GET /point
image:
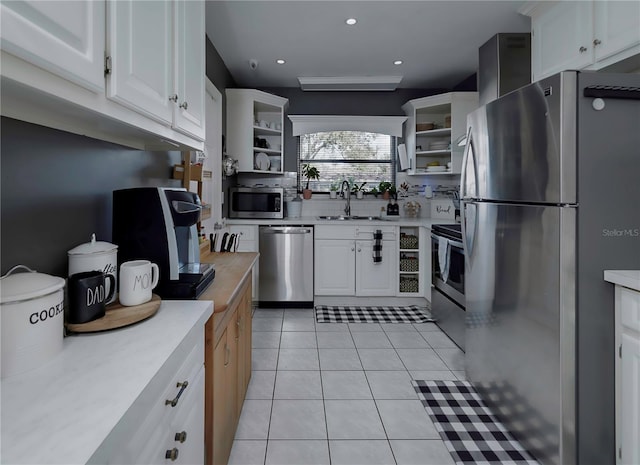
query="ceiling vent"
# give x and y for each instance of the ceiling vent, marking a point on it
(350, 83)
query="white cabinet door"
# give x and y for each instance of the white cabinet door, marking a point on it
(376, 279)
(617, 27)
(140, 39)
(189, 67)
(562, 39)
(630, 400)
(63, 37)
(187, 429)
(628, 376)
(334, 267)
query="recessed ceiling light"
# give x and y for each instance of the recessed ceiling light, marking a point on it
(397, 62)
(280, 61)
(351, 21)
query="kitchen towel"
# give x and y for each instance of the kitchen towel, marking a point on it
(471, 433)
(443, 258)
(377, 246)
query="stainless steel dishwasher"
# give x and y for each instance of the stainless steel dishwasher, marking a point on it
(286, 266)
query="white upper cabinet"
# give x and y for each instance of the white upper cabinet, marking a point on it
(190, 68)
(617, 27)
(582, 34)
(157, 58)
(55, 56)
(141, 49)
(68, 42)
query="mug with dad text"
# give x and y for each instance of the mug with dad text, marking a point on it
(137, 279)
(88, 295)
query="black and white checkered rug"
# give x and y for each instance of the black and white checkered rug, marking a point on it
(472, 434)
(344, 314)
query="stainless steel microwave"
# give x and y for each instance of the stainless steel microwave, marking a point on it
(256, 202)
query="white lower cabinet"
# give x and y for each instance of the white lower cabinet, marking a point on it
(627, 375)
(173, 428)
(343, 261)
(334, 266)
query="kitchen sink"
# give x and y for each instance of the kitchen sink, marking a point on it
(344, 218)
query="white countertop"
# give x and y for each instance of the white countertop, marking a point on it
(626, 278)
(62, 411)
(313, 220)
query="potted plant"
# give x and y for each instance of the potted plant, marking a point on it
(333, 190)
(386, 189)
(309, 172)
(358, 189)
(374, 191)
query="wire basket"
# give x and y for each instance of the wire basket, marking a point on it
(409, 264)
(408, 241)
(408, 284)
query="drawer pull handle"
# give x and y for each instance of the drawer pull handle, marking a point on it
(174, 402)
(171, 454)
(181, 437)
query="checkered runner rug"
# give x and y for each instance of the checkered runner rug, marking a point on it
(343, 314)
(470, 431)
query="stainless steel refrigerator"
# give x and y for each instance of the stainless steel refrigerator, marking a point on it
(551, 198)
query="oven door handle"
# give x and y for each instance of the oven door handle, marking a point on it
(453, 243)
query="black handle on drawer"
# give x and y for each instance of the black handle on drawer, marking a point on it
(182, 387)
(171, 454)
(181, 437)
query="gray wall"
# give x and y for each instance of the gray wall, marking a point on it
(56, 190)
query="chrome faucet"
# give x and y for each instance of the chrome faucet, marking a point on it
(347, 208)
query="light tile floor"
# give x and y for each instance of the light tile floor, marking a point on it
(341, 394)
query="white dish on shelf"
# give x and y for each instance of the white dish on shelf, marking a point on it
(262, 162)
(436, 169)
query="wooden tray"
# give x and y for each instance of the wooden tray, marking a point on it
(118, 316)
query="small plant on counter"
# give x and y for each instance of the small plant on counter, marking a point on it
(358, 189)
(311, 173)
(374, 191)
(333, 189)
(387, 189)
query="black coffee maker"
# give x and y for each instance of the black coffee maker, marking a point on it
(159, 224)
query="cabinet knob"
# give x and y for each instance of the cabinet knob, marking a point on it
(171, 454)
(353, 248)
(181, 436)
(173, 98)
(184, 105)
(597, 41)
(582, 49)
(359, 250)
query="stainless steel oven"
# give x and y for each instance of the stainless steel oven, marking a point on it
(256, 202)
(447, 276)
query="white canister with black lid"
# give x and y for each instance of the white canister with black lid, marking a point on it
(95, 256)
(32, 319)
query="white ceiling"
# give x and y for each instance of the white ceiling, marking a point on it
(437, 40)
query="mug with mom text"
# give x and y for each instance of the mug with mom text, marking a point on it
(88, 295)
(137, 279)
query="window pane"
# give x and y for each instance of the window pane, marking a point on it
(363, 156)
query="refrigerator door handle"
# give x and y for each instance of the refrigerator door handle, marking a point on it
(468, 177)
(469, 226)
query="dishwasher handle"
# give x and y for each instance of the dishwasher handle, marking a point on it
(285, 230)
